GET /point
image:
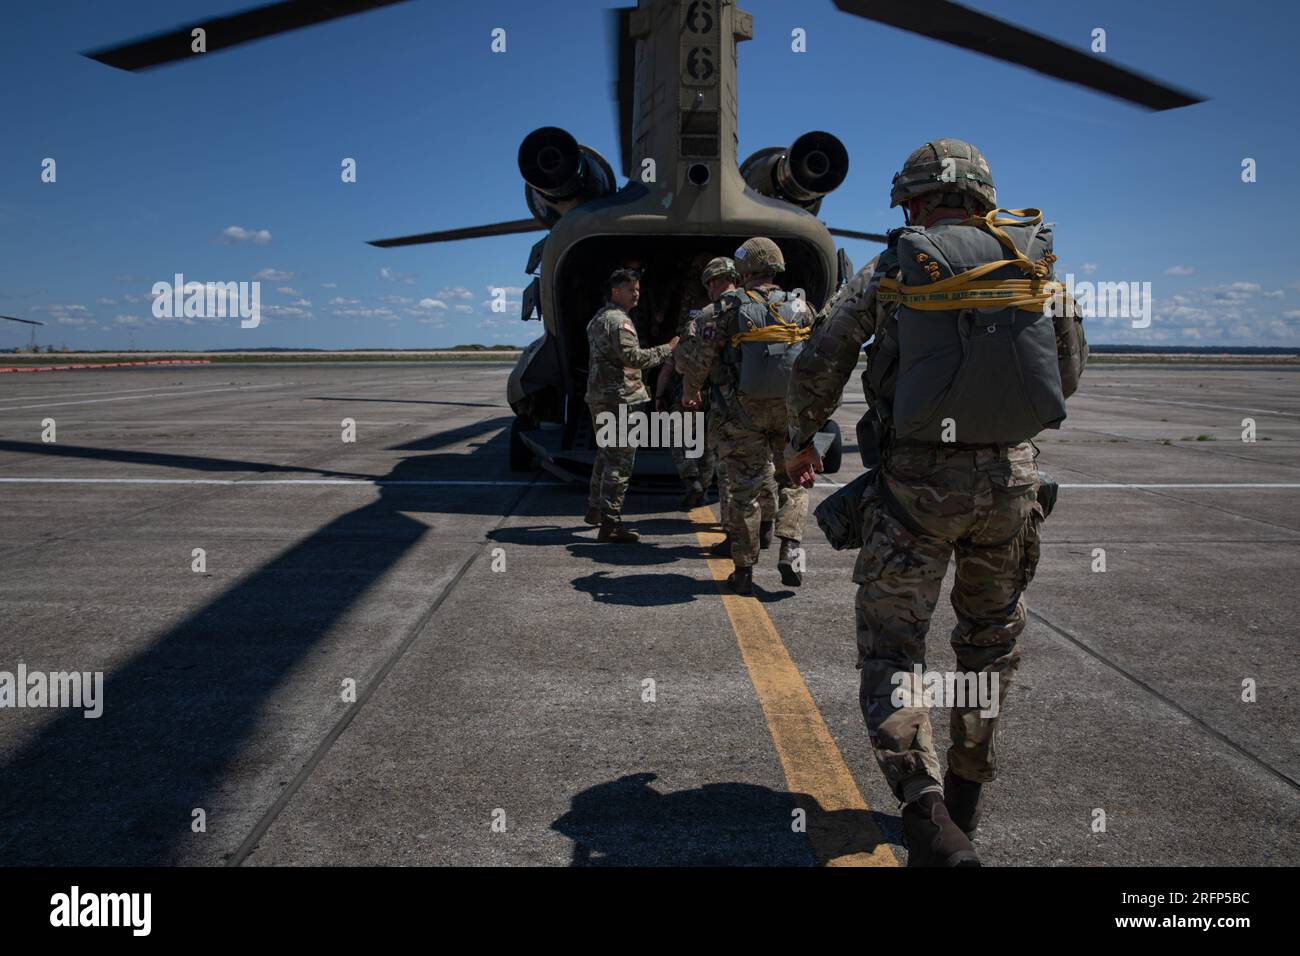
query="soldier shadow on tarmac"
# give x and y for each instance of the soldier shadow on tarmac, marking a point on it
(626, 822)
(185, 710)
(635, 590)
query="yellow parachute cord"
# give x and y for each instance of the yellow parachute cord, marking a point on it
(965, 291)
(779, 331)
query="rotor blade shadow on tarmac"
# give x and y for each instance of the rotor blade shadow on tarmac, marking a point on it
(162, 459)
(181, 713)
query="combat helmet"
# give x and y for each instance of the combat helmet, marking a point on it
(721, 266)
(925, 172)
(759, 256)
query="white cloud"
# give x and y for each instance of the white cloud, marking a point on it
(301, 302)
(1291, 314)
(1275, 294)
(467, 309)
(239, 234)
(395, 300)
(1179, 271)
(389, 275)
(329, 285)
(274, 275)
(339, 300)
(1089, 268)
(456, 292)
(103, 301)
(286, 312)
(368, 313)
(431, 304)
(287, 290)
(132, 320)
(1236, 291)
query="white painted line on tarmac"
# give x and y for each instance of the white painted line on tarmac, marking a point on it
(100, 391)
(132, 398)
(475, 483)
(1170, 401)
(1102, 486)
(358, 482)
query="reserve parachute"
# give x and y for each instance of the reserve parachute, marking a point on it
(976, 353)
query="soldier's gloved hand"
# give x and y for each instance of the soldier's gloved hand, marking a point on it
(691, 400)
(801, 467)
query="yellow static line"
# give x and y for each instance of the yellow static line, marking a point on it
(840, 826)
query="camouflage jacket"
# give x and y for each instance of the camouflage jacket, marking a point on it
(715, 324)
(854, 316)
(617, 358)
(687, 313)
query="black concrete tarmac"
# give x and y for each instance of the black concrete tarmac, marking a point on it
(399, 651)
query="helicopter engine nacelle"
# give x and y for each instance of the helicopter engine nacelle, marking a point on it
(560, 174)
(813, 166)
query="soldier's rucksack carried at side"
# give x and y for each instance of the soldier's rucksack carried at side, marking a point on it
(772, 332)
(976, 355)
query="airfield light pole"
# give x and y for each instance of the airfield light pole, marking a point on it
(32, 322)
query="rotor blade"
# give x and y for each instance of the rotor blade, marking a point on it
(962, 27)
(222, 32)
(853, 234)
(624, 54)
(12, 318)
(471, 232)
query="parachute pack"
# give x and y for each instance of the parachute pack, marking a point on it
(976, 356)
(773, 330)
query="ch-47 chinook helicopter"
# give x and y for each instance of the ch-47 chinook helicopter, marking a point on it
(685, 192)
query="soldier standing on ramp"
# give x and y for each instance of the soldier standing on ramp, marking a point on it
(615, 379)
(754, 335)
(959, 294)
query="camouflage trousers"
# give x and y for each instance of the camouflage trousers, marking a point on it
(713, 436)
(751, 453)
(930, 503)
(694, 469)
(612, 471)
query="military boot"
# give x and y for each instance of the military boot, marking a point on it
(964, 800)
(615, 532)
(694, 496)
(592, 517)
(785, 563)
(932, 838)
(722, 549)
(765, 534)
(742, 581)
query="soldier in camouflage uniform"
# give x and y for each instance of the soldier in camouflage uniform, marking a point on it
(614, 380)
(696, 473)
(931, 500)
(752, 432)
(719, 276)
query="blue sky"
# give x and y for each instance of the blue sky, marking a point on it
(155, 168)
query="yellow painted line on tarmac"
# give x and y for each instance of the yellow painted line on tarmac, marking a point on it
(840, 826)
